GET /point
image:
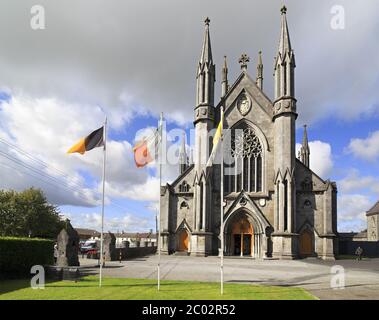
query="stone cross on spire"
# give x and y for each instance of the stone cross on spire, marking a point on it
(207, 21)
(243, 61)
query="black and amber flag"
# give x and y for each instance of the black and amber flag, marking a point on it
(93, 140)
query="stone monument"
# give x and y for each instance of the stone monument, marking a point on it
(68, 246)
(109, 244)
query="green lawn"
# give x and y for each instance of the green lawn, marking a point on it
(146, 289)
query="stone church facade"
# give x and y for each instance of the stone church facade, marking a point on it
(274, 204)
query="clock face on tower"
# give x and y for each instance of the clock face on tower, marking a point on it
(244, 104)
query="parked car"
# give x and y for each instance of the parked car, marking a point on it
(89, 245)
(93, 254)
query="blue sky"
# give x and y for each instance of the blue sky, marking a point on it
(52, 82)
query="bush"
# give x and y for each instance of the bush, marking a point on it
(18, 255)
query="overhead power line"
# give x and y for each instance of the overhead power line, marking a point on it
(52, 180)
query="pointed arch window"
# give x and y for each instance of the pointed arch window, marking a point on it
(184, 187)
(246, 169)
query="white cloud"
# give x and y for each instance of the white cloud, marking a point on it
(352, 212)
(148, 191)
(37, 129)
(126, 222)
(126, 58)
(321, 161)
(45, 129)
(367, 149)
(354, 182)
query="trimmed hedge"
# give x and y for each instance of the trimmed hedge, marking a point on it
(18, 255)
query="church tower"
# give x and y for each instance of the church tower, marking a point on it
(284, 239)
(204, 122)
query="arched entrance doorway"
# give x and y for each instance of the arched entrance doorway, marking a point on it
(183, 240)
(242, 237)
(305, 241)
(245, 233)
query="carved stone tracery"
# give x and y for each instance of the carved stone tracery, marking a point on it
(246, 171)
(246, 144)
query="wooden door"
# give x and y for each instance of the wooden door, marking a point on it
(237, 244)
(183, 241)
(247, 245)
(306, 243)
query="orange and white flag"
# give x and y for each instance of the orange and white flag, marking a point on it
(146, 150)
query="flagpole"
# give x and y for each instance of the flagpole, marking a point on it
(102, 205)
(222, 204)
(159, 212)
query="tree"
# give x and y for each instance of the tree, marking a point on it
(28, 213)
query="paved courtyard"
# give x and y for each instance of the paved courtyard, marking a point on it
(361, 278)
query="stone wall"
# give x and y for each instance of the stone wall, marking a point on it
(128, 253)
(348, 247)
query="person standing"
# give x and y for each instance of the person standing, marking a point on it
(359, 253)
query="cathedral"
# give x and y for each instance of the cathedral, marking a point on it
(274, 205)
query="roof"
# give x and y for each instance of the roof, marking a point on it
(297, 161)
(86, 232)
(374, 209)
(184, 173)
(353, 235)
(136, 235)
(259, 96)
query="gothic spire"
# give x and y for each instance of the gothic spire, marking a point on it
(284, 42)
(206, 52)
(183, 159)
(260, 71)
(305, 151)
(284, 62)
(305, 137)
(206, 73)
(224, 80)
